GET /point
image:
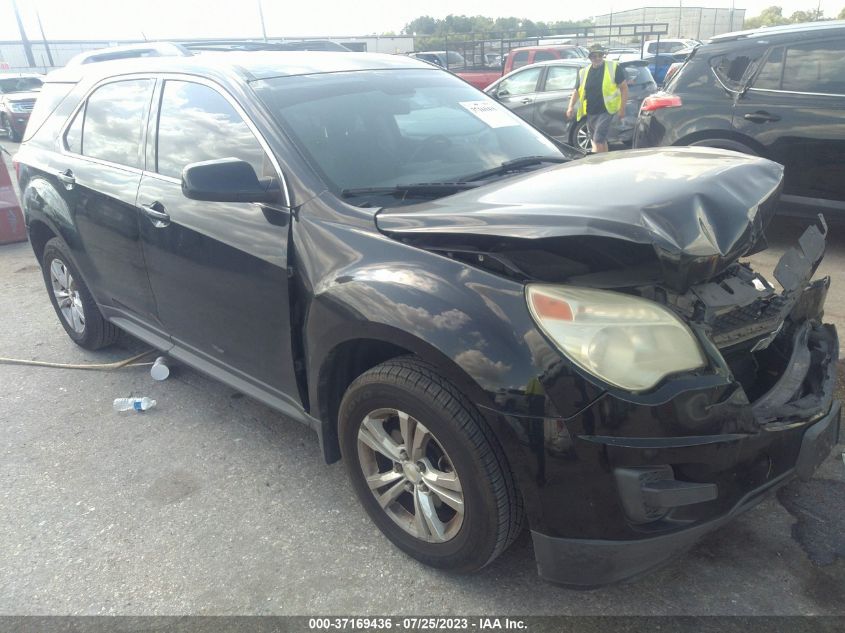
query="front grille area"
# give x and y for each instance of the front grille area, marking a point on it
(756, 319)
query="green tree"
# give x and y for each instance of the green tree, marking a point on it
(813, 15)
(423, 25)
(841, 15)
(770, 16)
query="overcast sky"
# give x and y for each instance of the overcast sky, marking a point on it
(126, 19)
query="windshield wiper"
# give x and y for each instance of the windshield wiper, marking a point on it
(515, 165)
(413, 190)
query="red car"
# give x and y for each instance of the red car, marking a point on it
(18, 92)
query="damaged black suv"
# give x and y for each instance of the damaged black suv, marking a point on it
(487, 327)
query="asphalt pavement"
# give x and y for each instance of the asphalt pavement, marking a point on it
(211, 503)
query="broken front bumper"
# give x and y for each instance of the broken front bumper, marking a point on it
(685, 487)
(649, 478)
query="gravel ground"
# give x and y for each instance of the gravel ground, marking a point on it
(214, 504)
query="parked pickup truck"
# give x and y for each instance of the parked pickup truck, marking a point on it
(517, 58)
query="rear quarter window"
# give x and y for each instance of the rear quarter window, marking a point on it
(51, 95)
(732, 69)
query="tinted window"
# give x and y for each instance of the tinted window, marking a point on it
(197, 123)
(49, 98)
(519, 59)
(561, 78)
(815, 67)
(73, 136)
(770, 73)
(542, 56)
(521, 83)
(114, 120)
(731, 69)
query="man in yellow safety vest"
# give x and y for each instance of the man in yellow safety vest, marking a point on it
(601, 94)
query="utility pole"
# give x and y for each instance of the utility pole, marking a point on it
(27, 47)
(680, 13)
(261, 16)
(44, 39)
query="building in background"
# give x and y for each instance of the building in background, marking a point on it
(698, 23)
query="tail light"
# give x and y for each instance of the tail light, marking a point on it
(660, 100)
(17, 167)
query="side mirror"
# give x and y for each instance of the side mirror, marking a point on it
(226, 180)
(502, 92)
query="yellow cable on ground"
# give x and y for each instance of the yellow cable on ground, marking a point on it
(93, 367)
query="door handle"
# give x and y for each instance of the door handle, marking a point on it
(761, 117)
(156, 213)
(67, 178)
(525, 100)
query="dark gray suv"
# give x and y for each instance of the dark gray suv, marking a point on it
(778, 93)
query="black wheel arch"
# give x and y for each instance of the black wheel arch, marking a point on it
(357, 353)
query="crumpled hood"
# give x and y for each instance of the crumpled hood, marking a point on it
(699, 208)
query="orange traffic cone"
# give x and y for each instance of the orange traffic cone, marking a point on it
(12, 228)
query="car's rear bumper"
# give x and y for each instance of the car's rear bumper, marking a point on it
(589, 563)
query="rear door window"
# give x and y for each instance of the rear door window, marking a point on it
(769, 77)
(196, 123)
(542, 56)
(815, 67)
(114, 122)
(808, 67)
(561, 78)
(521, 83)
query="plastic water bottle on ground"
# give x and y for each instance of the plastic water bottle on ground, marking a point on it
(133, 404)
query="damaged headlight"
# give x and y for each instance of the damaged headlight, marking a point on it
(626, 341)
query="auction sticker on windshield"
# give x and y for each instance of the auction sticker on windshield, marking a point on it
(491, 113)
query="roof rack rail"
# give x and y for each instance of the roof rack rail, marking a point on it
(129, 51)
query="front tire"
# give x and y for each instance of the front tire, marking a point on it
(72, 301)
(427, 468)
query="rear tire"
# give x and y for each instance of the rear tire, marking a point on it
(416, 439)
(72, 301)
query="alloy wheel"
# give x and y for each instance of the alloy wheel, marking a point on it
(411, 475)
(582, 137)
(67, 296)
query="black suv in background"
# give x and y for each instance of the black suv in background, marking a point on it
(472, 318)
(776, 92)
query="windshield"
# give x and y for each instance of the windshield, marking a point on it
(383, 128)
(19, 84)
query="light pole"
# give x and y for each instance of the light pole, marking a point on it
(261, 17)
(44, 39)
(24, 39)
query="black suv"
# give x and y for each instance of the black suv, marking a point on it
(476, 320)
(775, 92)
